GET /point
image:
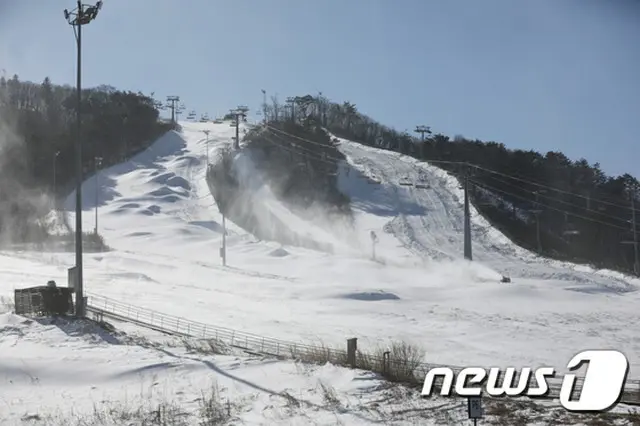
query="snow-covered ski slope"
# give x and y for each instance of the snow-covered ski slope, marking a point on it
(164, 227)
(64, 373)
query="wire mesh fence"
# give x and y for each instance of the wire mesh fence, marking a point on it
(402, 363)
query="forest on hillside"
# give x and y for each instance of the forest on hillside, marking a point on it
(38, 136)
(564, 209)
(300, 161)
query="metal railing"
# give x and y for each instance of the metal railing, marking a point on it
(179, 326)
(413, 372)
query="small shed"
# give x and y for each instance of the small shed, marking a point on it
(44, 300)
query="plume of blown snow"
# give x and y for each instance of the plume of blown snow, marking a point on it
(21, 209)
(337, 229)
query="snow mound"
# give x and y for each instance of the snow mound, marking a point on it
(171, 180)
(279, 252)
(371, 296)
(163, 191)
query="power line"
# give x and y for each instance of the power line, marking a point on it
(299, 138)
(308, 149)
(509, 193)
(547, 186)
(332, 162)
(521, 179)
(494, 189)
(519, 187)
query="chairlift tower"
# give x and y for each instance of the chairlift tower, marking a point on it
(171, 104)
(291, 101)
(537, 212)
(422, 130)
(634, 241)
(239, 112)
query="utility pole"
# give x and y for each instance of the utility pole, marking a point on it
(422, 130)
(171, 103)
(467, 217)
(82, 15)
(206, 132)
(97, 164)
(264, 106)
(241, 111)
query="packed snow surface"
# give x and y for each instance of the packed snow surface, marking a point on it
(68, 373)
(165, 230)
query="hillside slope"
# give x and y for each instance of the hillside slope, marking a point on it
(430, 221)
(420, 290)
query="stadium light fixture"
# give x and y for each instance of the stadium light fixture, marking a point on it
(83, 14)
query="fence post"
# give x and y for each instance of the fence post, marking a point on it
(204, 331)
(178, 325)
(352, 347)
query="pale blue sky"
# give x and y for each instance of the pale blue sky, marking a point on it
(533, 74)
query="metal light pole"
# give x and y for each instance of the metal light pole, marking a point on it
(82, 15)
(467, 218)
(223, 249)
(264, 106)
(636, 265)
(537, 212)
(206, 132)
(97, 163)
(55, 188)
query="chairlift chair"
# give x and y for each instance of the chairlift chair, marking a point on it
(570, 230)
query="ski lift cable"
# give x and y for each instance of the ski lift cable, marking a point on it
(515, 185)
(506, 192)
(497, 173)
(548, 187)
(490, 188)
(307, 149)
